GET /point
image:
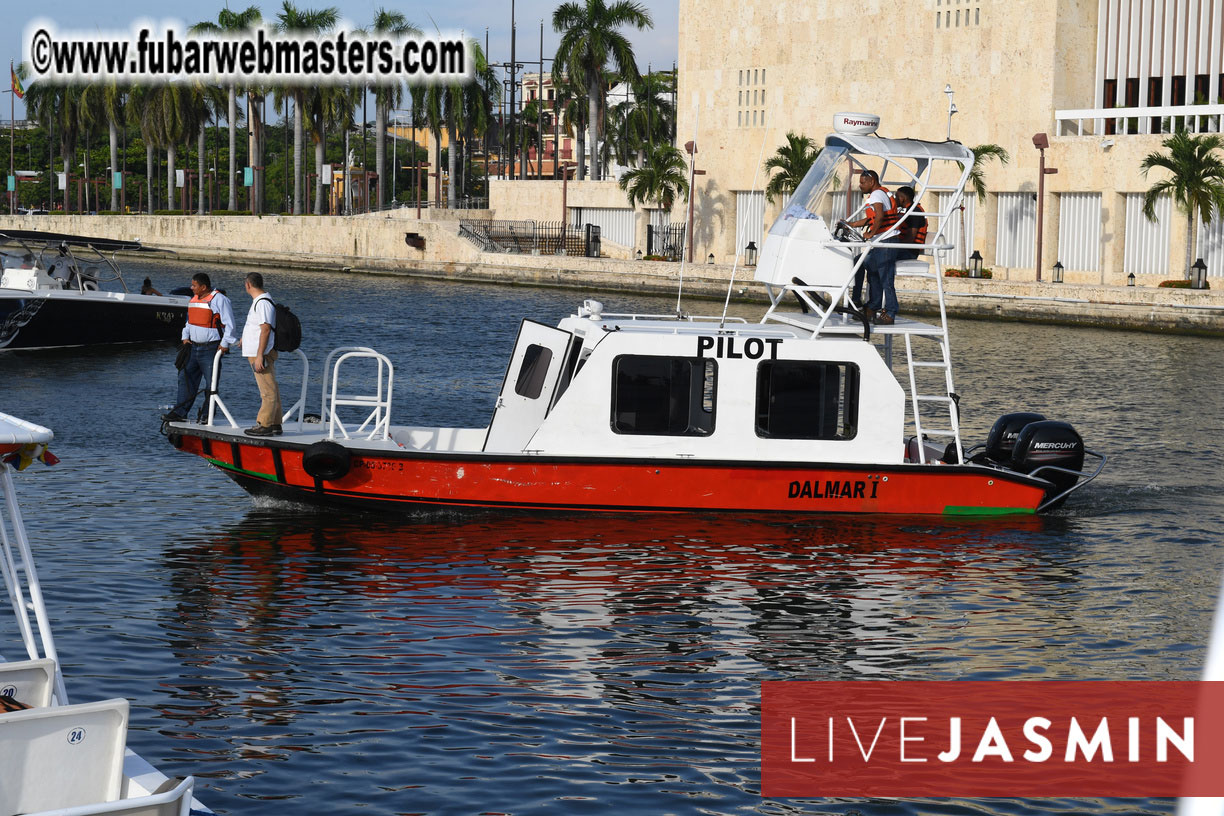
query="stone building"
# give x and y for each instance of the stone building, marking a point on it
(1103, 78)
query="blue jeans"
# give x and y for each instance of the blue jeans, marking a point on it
(881, 266)
(199, 367)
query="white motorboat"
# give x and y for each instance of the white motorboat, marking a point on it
(68, 290)
(62, 758)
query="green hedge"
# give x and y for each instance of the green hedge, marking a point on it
(1181, 284)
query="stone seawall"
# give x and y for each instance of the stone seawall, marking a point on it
(432, 248)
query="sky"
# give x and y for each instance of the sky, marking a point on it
(657, 46)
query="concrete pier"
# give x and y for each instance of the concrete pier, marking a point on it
(397, 243)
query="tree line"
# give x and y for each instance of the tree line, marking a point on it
(171, 121)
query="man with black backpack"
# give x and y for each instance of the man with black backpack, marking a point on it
(258, 346)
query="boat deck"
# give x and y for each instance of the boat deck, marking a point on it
(841, 324)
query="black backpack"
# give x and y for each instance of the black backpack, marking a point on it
(288, 331)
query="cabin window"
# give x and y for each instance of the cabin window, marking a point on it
(663, 396)
(532, 372)
(807, 399)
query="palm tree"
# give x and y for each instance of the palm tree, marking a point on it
(429, 108)
(792, 161)
(57, 106)
(661, 178)
(478, 96)
(1196, 181)
(103, 101)
(328, 108)
(302, 21)
(573, 111)
(981, 155)
(231, 22)
(589, 39)
(176, 110)
(139, 114)
(645, 119)
(387, 97)
(977, 181)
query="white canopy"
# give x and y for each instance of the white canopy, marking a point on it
(14, 431)
(901, 148)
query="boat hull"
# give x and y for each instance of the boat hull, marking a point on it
(33, 321)
(408, 481)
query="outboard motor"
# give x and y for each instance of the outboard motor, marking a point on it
(1002, 438)
(1050, 442)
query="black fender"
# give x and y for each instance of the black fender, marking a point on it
(327, 460)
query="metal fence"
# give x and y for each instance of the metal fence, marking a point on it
(532, 237)
(665, 241)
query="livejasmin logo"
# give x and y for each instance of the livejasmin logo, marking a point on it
(1006, 738)
(1074, 743)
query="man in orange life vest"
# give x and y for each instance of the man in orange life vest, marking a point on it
(913, 227)
(881, 262)
(210, 323)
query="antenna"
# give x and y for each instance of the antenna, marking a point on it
(688, 222)
(735, 266)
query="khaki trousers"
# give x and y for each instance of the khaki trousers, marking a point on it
(269, 393)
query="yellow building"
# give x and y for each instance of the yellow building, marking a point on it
(1103, 78)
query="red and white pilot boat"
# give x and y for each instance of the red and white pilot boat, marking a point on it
(800, 413)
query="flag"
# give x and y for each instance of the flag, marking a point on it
(17, 87)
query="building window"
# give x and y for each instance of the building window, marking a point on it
(534, 369)
(663, 396)
(762, 118)
(977, 16)
(804, 399)
(947, 19)
(762, 96)
(741, 98)
(938, 19)
(754, 113)
(741, 118)
(958, 18)
(741, 80)
(762, 76)
(755, 73)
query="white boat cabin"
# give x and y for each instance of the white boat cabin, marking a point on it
(641, 386)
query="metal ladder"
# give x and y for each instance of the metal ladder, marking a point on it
(949, 399)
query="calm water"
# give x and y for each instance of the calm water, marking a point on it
(305, 663)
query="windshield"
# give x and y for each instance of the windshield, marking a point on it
(808, 200)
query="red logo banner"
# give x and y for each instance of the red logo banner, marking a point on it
(1007, 738)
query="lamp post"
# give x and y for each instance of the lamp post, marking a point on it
(1041, 141)
(710, 258)
(1199, 277)
(750, 254)
(691, 149)
(1058, 272)
(951, 109)
(1130, 279)
(975, 264)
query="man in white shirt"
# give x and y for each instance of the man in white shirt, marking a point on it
(257, 342)
(881, 262)
(210, 323)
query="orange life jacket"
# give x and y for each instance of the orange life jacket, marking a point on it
(914, 230)
(200, 312)
(892, 215)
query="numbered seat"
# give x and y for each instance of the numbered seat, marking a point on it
(62, 756)
(28, 682)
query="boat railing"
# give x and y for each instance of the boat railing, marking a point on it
(21, 582)
(378, 421)
(670, 317)
(215, 402)
(1084, 479)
